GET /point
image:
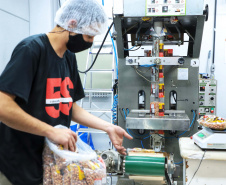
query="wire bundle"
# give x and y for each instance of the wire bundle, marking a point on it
(114, 109)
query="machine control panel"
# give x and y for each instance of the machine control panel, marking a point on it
(201, 135)
(207, 96)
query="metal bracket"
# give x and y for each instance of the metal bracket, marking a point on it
(156, 142)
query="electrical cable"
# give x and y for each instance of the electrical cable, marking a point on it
(179, 162)
(98, 50)
(142, 144)
(124, 113)
(128, 130)
(130, 48)
(130, 28)
(114, 109)
(152, 65)
(143, 71)
(192, 127)
(144, 139)
(116, 58)
(134, 46)
(136, 49)
(147, 137)
(194, 115)
(141, 75)
(120, 110)
(178, 136)
(197, 168)
(127, 111)
(60, 3)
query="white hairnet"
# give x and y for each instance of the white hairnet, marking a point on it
(83, 17)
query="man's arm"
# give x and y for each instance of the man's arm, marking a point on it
(115, 133)
(13, 116)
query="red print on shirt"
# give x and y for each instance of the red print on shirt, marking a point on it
(57, 93)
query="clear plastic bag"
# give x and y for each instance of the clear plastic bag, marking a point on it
(82, 167)
(57, 177)
(83, 151)
(213, 122)
(47, 177)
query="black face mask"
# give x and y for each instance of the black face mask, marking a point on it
(76, 43)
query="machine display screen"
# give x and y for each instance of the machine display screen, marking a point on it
(201, 135)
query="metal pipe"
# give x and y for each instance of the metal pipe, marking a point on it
(214, 30)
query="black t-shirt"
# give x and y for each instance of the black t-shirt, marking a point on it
(45, 87)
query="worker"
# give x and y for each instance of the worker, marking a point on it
(39, 89)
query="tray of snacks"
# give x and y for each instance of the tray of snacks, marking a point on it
(213, 122)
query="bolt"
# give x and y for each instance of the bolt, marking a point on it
(130, 61)
(181, 61)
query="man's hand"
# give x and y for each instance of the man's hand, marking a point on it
(116, 135)
(65, 137)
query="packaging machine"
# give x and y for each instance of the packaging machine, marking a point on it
(158, 46)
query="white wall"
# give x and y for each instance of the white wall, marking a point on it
(220, 59)
(207, 40)
(42, 15)
(19, 19)
(220, 50)
(14, 21)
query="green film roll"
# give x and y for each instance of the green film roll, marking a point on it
(147, 166)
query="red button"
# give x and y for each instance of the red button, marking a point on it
(191, 137)
(212, 111)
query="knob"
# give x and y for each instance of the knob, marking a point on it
(212, 98)
(201, 103)
(199, 127)
(181, 61)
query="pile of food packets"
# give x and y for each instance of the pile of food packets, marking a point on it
(63, 167)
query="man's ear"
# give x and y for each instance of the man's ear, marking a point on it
(72, 23)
